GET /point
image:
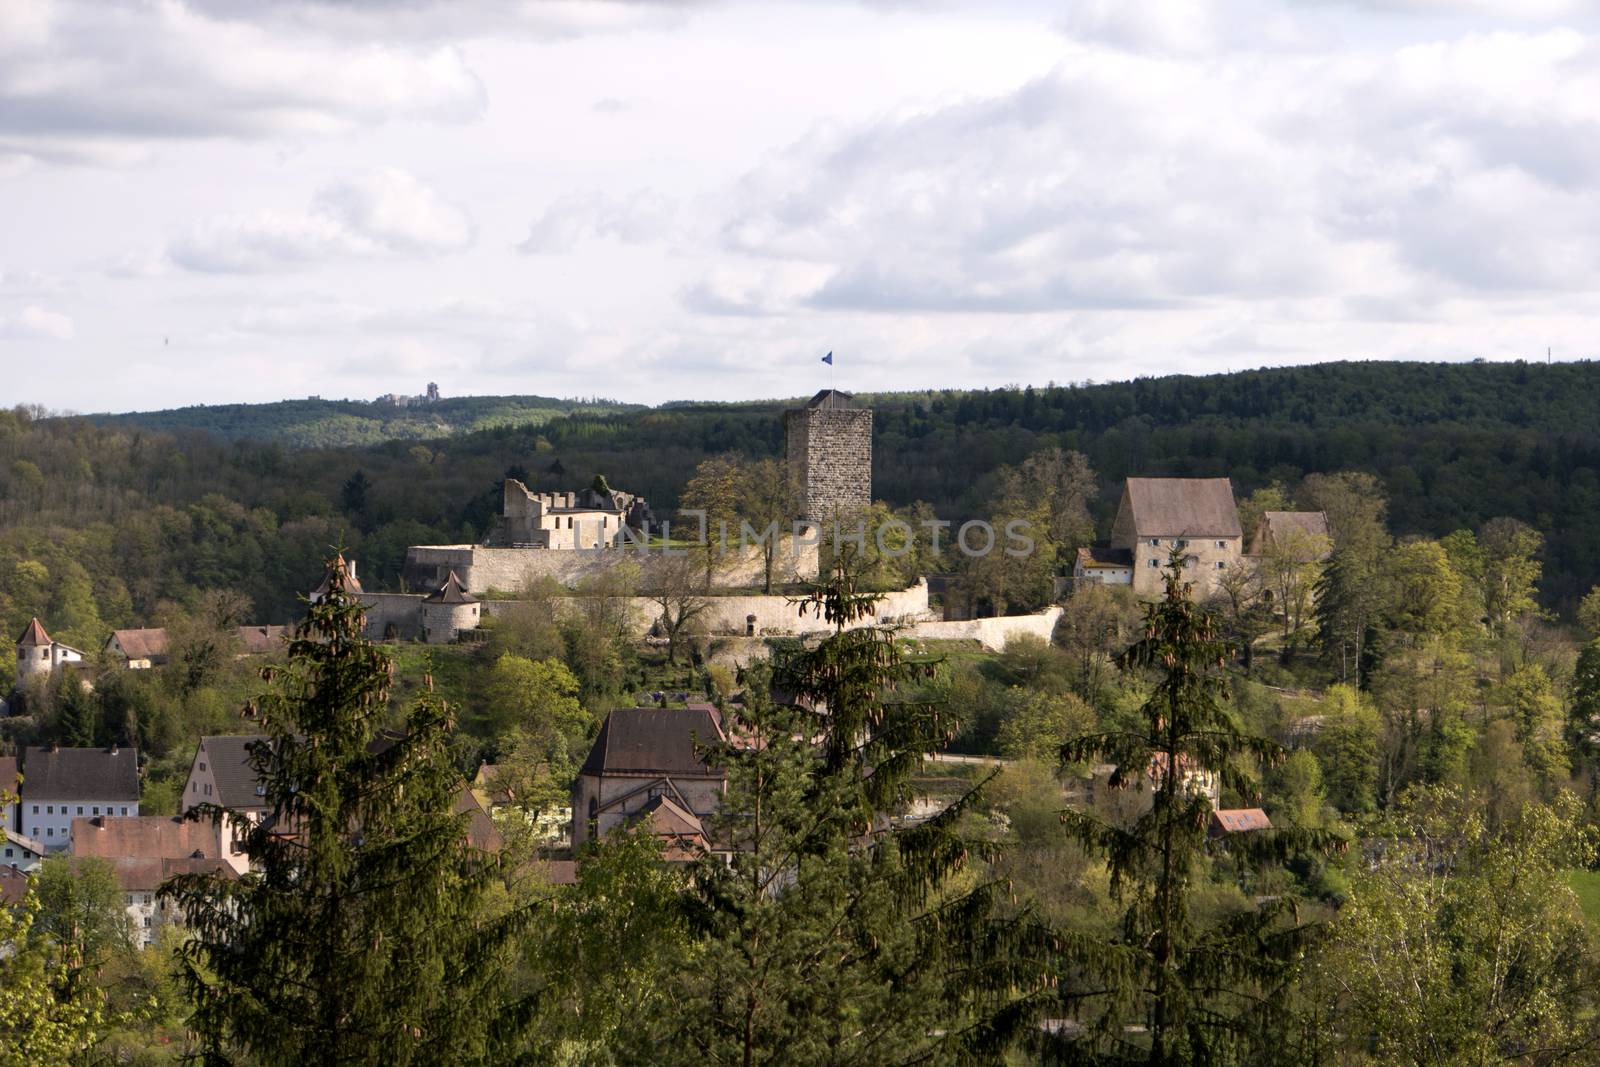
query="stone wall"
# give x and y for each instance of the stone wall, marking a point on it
(830, 459)
(402, 611)
(992, 634)
(773, 614)
(510, 570)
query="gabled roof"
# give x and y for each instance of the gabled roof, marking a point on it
(1182, 507)
(20, 841)
(1274, 524)
(264, 640)
(8, 774)
(451, 592)
(80, 773)
(144, 874)
(13, 885)
(148, 643)
(144, 837)
(228, 763)
(482, 833)
(34, 636)
(1239, 820)
(662, 741)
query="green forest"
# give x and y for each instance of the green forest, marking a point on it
(1414, 705)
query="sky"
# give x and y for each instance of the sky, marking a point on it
(214, 201)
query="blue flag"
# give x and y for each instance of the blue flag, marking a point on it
(828, 359)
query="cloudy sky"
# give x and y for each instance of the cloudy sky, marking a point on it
(222, 200)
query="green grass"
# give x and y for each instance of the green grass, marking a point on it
(1586, 885)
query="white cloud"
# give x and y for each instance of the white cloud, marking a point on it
(99, 82)
(1134, 180)
(644, 216)
(36, 323)
(386, 212)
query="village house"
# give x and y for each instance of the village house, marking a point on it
(61, 784)
(13, 886)
(1108, 566)
(646, 764)
(20, 853)
(220, 774)
(1194, 515)
(1298, 531)
(144, 648)
(140, 880)
(38, 654)
(145, 837)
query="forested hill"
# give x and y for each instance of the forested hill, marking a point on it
(120, 519)
(318, 423)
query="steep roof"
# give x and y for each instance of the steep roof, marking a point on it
(351, 583)
(482, 833)
(653, 741)
(1239, 820)
(13, 885)
(8, 774)
(34, 636)
(144, 837)
(228, 762)
(80, 773)
(1280, 523)
(143, 874)
(832, 399)
(264, 640)
(451, 592)
(1182, 507)
(150, 643)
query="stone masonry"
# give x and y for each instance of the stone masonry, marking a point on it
(829, 444)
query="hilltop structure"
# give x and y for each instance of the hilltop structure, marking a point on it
(591, 518)
(38, 654)
(829, 445)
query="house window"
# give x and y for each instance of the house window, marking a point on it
(36, 809)
(36, 832)
(8, 853)
(1181, 543)
(130, 900)
(202, 765)
(1155, 563)
(194, 787)
(49, 831)
(124, 811)
(1156, 541)
(147, 922)
(1222, 544)
(147, 898)
(208, 789)
(1222, 564)
(97, 809)
(49, 809)
(80, 809)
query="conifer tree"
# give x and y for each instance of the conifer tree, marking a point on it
(358, 937)
(831, 935)
(1167, 987)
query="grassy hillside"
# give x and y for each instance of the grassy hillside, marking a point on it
(316, 423)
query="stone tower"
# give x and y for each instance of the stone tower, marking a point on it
(829, 443)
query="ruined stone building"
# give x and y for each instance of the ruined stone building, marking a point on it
(589, 518)
(829, 444)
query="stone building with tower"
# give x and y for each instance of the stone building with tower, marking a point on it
(829, 445)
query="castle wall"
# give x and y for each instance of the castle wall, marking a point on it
(403, 611)
(509, 570)
(830, 459)
(773, 614)
(992, 634)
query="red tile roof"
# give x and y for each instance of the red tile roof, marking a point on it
(1239, 820)
(150, 643)
(144, 837)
